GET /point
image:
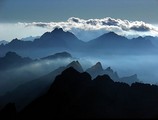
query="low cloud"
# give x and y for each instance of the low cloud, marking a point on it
(83, 29)
(92, 28)
(95, 24)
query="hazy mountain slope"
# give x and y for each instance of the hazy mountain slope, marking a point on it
(59, 40)
(27, 92)
(13, 60)
(97, 69)
(16, 70)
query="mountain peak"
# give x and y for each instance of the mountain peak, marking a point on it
(76, 65)
(97, 67)
(95, 70)
(112, 34)
(109, 69)
(58, 30)
(58, 34)
(98, 64)
(14, 40)
(139, 38)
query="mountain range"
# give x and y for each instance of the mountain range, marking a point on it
(12, 60)
(37, 80)
(16, 70)
(75, 95)
(59, 40)
(27, 91)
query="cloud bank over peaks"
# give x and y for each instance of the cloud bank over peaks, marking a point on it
(92, 28)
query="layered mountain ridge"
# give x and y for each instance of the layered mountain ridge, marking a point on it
(26, 92)
(76, 95)
(60, 40)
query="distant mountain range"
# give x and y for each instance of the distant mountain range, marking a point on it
(59, 40)
(75, 95)
(12, 60)
(113, 43)
(26, 92)
(97, 69)
(35, 83)
(16, 70)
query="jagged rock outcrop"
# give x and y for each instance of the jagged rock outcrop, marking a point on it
(97, 69)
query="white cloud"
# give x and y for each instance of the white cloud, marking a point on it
(92, 28)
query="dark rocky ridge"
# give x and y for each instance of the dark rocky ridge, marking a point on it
(76, 95)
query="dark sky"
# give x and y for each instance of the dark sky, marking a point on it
(61, 10)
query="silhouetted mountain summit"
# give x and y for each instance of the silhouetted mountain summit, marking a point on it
(97, 69)
(72, 77)
(76, 65)
(112, 34)
(58, 38)
(59, 32)
(66, 87)
(12, 60)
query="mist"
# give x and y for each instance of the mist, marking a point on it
(145, 66)
(12, 78)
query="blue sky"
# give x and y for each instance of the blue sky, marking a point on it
(28, 11)
(61, 10)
